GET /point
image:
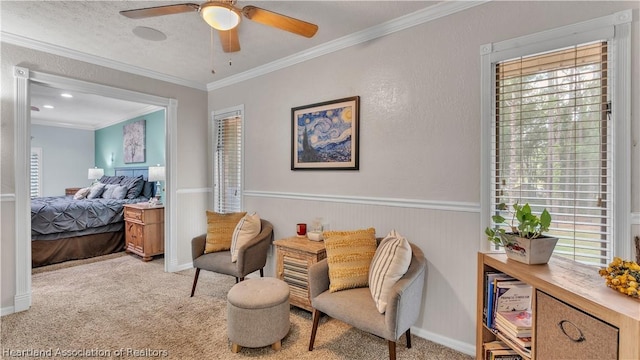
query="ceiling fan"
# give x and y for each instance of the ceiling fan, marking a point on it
(224, 16)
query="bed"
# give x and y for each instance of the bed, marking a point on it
(89, 223)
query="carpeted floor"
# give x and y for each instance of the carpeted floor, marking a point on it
(123, 307)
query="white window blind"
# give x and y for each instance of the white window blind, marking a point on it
(228, 162)
(35, 179)
(552, 145)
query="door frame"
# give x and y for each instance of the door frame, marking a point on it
(24, 77)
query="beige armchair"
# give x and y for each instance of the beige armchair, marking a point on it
(251, 257)
(357, 308)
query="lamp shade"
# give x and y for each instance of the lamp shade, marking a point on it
(156, 173)
(95, 173)
(220, 16)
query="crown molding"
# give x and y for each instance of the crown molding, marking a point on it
(146, 110)
(14, 39)
(416, 18)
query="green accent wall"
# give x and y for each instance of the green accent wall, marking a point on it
(109, 143)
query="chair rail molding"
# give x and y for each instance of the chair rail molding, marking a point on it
(458, 206)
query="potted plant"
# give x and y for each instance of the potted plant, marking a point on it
(524, 242)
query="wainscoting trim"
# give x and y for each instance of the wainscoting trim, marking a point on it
(7, 197)
(404, 203)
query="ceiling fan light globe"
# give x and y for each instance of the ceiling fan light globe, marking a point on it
(220, 16)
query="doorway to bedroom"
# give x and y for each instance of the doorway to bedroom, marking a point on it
(91, 156)
(24, 80)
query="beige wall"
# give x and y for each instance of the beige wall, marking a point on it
(419, 141)
(191, 141)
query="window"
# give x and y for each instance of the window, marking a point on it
(227, 160)
(35, 179)
(555, 134)
(552, 141)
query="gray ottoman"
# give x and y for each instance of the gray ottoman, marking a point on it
(258, 313)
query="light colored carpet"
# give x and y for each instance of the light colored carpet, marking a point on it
(124, 304)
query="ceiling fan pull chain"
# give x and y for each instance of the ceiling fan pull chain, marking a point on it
(213, 71)
(229, 37)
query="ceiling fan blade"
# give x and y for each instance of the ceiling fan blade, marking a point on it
(279, 21)
(229, 40)
(160, 10)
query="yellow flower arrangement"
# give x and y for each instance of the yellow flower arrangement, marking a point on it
(623, 276)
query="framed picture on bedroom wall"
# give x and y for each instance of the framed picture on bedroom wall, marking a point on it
(134, 142)
(324, 136)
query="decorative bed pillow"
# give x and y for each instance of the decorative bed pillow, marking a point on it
(248, 227)
(120, 192)
(108, 191)
(82, 193)
(134, 184)
(147, 189)
(390, 263)
(95, 191)
(107, 179)
(220, 228)
(349, 255)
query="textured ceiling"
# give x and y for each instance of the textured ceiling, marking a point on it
(96, 29)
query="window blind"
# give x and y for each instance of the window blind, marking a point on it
(552, 145)
(228, 162)
(35, 182)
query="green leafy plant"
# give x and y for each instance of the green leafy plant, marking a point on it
(529, 225)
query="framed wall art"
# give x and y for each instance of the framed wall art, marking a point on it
(134, 142)
(324, 136)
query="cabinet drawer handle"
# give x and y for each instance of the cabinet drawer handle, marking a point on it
(561, 325)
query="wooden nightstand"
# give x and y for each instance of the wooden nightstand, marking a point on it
(294, 257)
(144, 230)
(71, 190)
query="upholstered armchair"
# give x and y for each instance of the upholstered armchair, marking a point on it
(252, 256)
(356, 307)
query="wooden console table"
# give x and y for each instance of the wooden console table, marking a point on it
(294, 257)
(566, 292)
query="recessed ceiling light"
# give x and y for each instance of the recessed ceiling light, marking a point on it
(47, 106)
(66, 95)
(148, 33)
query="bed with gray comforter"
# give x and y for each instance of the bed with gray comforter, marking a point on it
(87, 224)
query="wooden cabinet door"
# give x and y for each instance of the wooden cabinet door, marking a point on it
(135, 237)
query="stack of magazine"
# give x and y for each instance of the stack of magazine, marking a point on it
(498, 350)
(508, 309)
(516, 325)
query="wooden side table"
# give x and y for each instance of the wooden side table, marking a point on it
(294, 257)
(144, 230)
(71, 190)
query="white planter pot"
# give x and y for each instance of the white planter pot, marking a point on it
(531, 251)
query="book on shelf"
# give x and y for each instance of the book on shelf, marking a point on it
(506, 354)
(517, 321)
(490, 346)
(491, 278)
(512, 295)
(516, 343)
(512, 333)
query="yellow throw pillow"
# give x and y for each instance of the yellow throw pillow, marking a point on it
(349, 255)
(220, 229)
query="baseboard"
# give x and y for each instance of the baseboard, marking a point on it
(460, 346)
(176, 268)
(7, 310)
